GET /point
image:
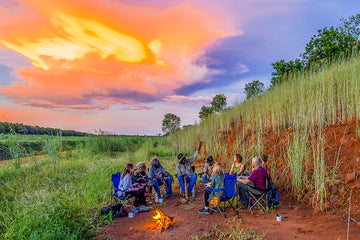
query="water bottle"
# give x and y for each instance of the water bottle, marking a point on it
(110, 215)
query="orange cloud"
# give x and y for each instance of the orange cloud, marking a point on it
(88, 55)
(78, 120)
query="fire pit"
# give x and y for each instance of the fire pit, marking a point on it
(163, 221)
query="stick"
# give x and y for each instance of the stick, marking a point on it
(355, 220)
(186, 191)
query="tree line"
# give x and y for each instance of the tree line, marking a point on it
(19, 128)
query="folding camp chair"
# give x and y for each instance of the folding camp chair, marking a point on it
(259, 198)
(228, 195)
(116, 195)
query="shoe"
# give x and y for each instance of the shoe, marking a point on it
(204, 211)
(148, 202)
(214, 209)
(143, 208)
(170, 197)
(134, 210)
(193, 194)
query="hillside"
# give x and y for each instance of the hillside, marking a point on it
(309, 128)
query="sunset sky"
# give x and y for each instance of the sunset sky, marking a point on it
(121, 65)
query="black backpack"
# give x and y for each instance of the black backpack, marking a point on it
(118, 210)
(273, 194)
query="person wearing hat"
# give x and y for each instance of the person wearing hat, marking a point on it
(184, 169)
(208, 168)
(160, 176)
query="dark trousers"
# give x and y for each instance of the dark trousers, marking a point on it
(139, 197)
(243, 191)
(206, 197)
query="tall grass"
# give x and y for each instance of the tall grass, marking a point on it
(310, 99)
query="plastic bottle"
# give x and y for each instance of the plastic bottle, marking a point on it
(111, 215)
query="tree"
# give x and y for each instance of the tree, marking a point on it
(171, 123)
(218, 103)
(329, 44)
(253, 89)
(283, 69)
(204, 112)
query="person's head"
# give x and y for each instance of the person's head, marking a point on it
(129, 168)
(264, 158)
(141, 166)
(182, 158)
(218, 169)
(155, 163)
(210, 160)
(256, 162)
(238, 158)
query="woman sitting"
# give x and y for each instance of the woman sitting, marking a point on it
(126, 187)
(237, 166)
(216, 182)
(141, 180)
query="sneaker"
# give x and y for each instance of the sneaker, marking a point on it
(143, 208)
(204, 211)
(148, 202)
(193, 194)
(134, 210)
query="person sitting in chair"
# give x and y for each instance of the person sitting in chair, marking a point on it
(126, 187)
(141, 180)
(237, 166)
(184, 170)
(264, 159)
(216, 182)
(160, 176)
(256, 182)
(208, 168)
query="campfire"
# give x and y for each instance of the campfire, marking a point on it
(163, 221)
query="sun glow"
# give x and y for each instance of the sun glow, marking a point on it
(82, 36)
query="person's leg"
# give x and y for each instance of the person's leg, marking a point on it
(242, 190)
(168, 186)
(204, 176)
(192, 181)
(206, 197)
(181, 182)
(155, 182)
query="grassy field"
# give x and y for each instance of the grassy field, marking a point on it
(59, 196)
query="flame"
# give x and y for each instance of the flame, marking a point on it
(163, 221)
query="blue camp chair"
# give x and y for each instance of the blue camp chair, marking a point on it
(228, 195)
(116, 194)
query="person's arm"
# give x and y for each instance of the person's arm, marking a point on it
(193, 158)
(151, 172)
(212, 185)
(244, 181)
(242, 168)
(232, 168)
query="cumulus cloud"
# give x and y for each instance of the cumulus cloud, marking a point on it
(90, 55)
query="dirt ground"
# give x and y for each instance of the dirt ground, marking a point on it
(298, 222)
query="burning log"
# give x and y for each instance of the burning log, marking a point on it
(162, 220)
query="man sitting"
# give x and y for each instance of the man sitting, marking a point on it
(160, 176)
(256, 182)
(184, 170)
(208, 168)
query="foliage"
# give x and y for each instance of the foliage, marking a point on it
(218, 103)
(171, 123)
(253, 89)
(19, 128)
(328, 44)
(282, 70)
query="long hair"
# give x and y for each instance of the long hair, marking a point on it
(218, 169)
(264, 158)
(127, 169)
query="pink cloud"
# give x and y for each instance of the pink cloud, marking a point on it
(199, 100)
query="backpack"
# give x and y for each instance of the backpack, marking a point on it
(273, 194)
(117, 209)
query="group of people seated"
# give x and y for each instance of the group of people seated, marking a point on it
(255, 182)
(139, 183)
